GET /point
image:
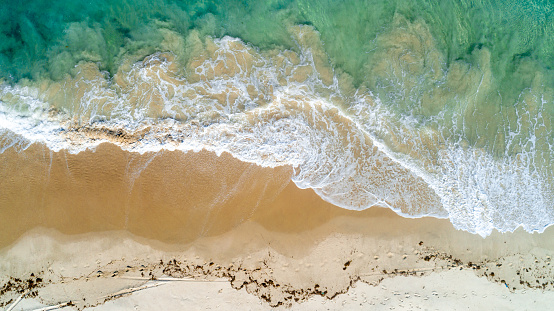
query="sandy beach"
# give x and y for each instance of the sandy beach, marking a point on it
(108, 229)
(289, 155)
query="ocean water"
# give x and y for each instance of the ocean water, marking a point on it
(432, 108)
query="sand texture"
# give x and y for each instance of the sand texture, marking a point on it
(84, 230)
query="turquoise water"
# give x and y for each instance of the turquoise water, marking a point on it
(34, 34)
(455, 97)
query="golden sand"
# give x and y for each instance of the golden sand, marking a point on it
(172, 197)
(111, 214)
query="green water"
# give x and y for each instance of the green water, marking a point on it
(47, 39)
(35, 33)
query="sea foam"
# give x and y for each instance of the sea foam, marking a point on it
(284, 108)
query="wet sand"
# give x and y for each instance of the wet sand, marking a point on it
(107, 220)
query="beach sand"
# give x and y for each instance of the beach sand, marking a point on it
(201, 230)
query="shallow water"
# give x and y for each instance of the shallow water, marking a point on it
(427, 107)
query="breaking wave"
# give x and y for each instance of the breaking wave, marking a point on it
(417, 142)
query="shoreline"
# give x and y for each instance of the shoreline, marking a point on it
(264, 235)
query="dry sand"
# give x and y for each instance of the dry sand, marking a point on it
(79, 228)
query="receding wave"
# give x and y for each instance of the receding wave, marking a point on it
(417, 139)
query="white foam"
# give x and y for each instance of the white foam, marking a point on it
(341, 155)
